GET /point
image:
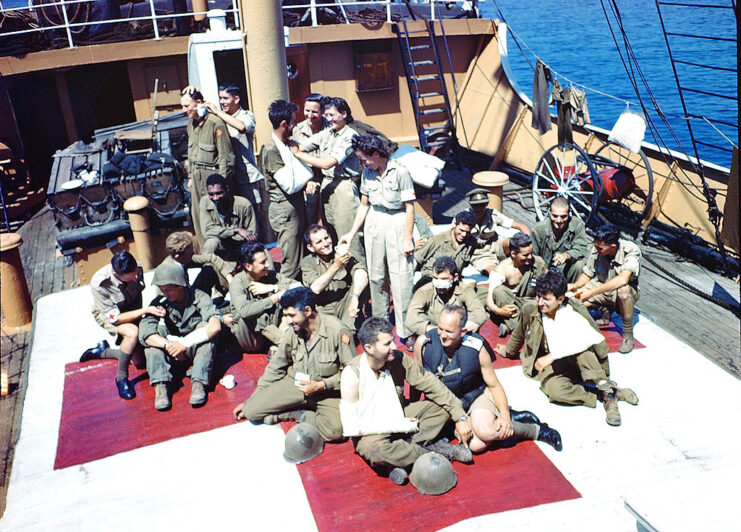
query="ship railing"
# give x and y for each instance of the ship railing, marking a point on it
(70, 27)
(426, 8)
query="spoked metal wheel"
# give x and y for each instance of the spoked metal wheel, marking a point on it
(629, 191)
(565, 170)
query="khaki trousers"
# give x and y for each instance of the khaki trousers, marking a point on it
(198, 178)
(159, 363)
(559, 380)
(340, 200)
(288, 220)
(504, 296)
(402, 450)
(387, 264)
(255, 341)
(282, 396)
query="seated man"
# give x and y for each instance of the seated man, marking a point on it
(512, 283)
(564, 349)
(255, 292)
(337, 279)
(117, 307)
(463, 362)
(492, 230)
(560, 240)
(226, 221)
(302, 380)
(445, 289)
(456, 243)
(390, 437)
(610, 279)
(185, 334)
(179, 247)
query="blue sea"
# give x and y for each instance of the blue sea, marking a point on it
(573, 37)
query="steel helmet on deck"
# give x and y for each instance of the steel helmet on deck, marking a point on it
(303, 443)
(432, 474)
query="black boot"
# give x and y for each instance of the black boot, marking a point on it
(125, 389)
(523, 416)
(94, 352)
(550, 436)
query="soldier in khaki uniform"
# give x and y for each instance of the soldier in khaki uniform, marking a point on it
(388, 431)
(338, 279)
(179, 247)
(314, 123)
(445, 289)
(457, 243)
(255, 292)
(492, 230)
(226, 221)
(610, 279)
(185, 334)
(117, 296)
(287, 179)
(341, 169)
(564, 349)
(512, 283)
(302, 380)
(209, 151)
(387, 214)
(561, 240)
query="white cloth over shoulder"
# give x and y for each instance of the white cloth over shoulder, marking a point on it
(423, 167)
(569, 333)
(378, 410)
(294, 174)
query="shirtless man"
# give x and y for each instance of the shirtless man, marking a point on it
(512, 283)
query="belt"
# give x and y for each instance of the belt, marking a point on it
(381, 208)
(199, 164)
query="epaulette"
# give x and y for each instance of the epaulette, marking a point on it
(470, 340)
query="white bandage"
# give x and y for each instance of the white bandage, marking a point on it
(495, 279)
(196, 337)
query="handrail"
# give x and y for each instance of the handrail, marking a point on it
(67, 25)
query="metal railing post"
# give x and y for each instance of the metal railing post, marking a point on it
(313, 13)
(237, 24)
(154, 21)
(66, 25)
(388, 10)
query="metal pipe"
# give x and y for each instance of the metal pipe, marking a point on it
(137, 206)
(15, 298)
(66, 25)
(154, 21)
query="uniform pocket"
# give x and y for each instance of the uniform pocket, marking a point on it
(207, 153)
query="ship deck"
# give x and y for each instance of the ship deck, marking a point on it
(660, 459)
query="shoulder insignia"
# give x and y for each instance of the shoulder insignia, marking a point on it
(473, 342)
(219, 132)
(345, 338)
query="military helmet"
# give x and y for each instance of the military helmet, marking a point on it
(303, 443)
(169, 273)
(432, 474)
(478, 196)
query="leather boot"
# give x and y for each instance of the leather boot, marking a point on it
(197, 394)
(293, 415)
(627, 345)
(523, 416)
(458, 453)
(627, 395)
(550, 436)
(608, 390)
(94, 352)
(161, 397)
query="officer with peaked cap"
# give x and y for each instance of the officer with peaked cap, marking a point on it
(185, 334)
(491, 230)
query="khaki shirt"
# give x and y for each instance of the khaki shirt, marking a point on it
(112, 296)
(245, 167)
(405, 368)
(426, 306)
(313, 267)
(336, 145)
(444, 245)
(492, 219)
(627, 257)
(573, 240)
(529, 332)
(178, 321)
(210, 147)
(303, 131)
(257, 311)
(214, 226)
(322, 358)
(389, 191)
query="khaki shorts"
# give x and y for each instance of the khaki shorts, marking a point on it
(485, 401)
(607, 299)
(488, 256)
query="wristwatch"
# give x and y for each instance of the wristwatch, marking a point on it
(461, 419)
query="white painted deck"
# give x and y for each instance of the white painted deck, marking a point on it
(674, 459)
